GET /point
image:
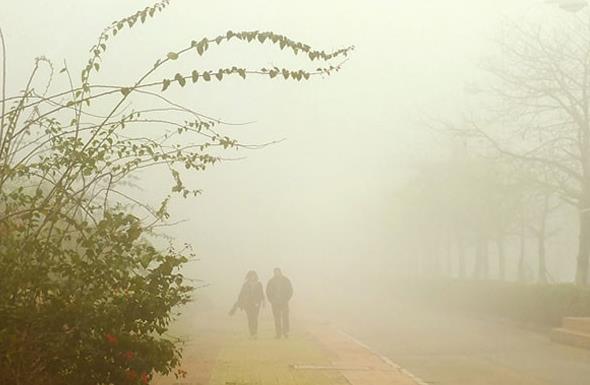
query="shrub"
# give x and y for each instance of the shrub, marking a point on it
(92, 313)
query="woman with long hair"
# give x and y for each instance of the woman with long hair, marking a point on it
(250, 299)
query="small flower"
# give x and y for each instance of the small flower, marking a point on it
(131, 375)
(128, 356)
(111, 339)
(145, 378)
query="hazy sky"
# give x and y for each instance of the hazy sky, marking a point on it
(324, 194)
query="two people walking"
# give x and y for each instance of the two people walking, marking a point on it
(251, 298)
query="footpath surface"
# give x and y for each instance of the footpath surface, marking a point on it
(358, 363)
(219, 352)
(447, 348)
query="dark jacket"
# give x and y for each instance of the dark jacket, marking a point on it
(279, 290)
(251, 295)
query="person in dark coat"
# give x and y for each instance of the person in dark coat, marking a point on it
(250, 299)
(278, 292)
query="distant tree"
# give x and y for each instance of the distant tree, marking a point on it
(543, 206)
(85, 297)
(461, 202)
(541, 113)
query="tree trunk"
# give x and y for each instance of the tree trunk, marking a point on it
(521, 273)
(477, 262)
(541, 235)
(485, 259)
(482, 267)
(501, 260)
(461, 257)
(542, 275)
(583, 247)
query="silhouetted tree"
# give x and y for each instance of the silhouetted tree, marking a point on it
(541, 112)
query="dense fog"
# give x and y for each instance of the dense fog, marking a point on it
(322, 199)
(414, 165)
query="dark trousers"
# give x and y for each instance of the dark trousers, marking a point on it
(280, 311)
(252, 313)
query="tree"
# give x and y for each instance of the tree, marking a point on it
(464, 201)
(544, 204)
(541, 113)
(86, 297)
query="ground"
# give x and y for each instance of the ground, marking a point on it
(219, 352)
(438, 347)
(447, 348)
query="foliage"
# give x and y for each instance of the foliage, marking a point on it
(92, 311)
(85, 296)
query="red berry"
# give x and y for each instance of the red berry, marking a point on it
(111, 339)
(131, 375)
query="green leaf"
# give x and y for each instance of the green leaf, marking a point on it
(165, 84)
(206, 76)
(125, 91)
(202, 46)
(180, 79)
(195, 76)
(219, 75)
(172, 55)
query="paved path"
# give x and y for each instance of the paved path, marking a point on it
(449, 349)
(220, 353)
(440, 348)
(357, 362)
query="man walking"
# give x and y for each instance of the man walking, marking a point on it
(278, 292)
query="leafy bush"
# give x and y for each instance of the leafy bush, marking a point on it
(85, 295)
(91, 313)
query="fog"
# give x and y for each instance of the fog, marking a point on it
(324, 200)
(320, 200)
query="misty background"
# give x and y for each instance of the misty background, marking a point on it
(318, 203)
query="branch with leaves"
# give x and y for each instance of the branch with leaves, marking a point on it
(75, 242)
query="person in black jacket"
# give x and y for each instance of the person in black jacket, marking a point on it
(279, 291)
(250, 299)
